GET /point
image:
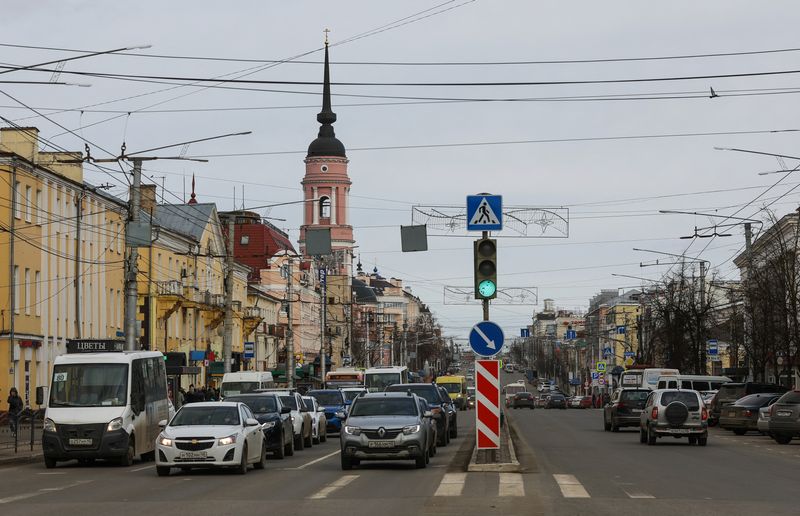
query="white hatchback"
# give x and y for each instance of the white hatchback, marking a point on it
(212, 434)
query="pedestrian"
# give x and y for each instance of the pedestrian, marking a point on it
(190, 396)
(14, 409)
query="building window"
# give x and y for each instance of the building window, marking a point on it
(38, 289)
(27, 291)
(17, 207)
(28, 203)
(39, 209)
(16, 289)
(245, 240)
(325, 208)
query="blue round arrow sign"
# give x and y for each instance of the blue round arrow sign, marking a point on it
(486, 339)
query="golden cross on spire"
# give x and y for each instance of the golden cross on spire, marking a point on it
(326, 31)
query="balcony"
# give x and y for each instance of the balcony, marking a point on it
(169, 288)
(254, 312)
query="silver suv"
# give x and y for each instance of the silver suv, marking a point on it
(386, 426)
(676, 413)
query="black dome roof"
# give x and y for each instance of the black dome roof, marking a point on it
(326, 143)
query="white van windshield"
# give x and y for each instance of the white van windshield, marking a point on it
(89, 385)
(234, 388)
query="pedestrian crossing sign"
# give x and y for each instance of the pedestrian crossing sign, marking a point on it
(484, 212)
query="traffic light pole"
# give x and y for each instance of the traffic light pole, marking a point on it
(485, 301)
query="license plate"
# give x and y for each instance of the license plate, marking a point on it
(381, 444)
(194, 454)
(680, 430)
(783, 413)
(80, 442)
(732, 413)
(636, 411)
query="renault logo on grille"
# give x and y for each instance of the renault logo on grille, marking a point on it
(381, 432)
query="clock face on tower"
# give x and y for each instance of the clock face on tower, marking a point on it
(324, 168)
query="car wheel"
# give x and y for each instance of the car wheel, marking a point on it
(651, 437)
(262, 461)
(614, 426)
(702, 441)
(346, 463)
(162, 471)
(782, 438)
(288, 449)
(739, 431)
(242, 468)
(642, 436)
(422, 461)
(280, 453)
(127, 459)
(299, 442)
(49, 463)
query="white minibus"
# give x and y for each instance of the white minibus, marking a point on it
(244, 382)
(105, 406)
(694, 382)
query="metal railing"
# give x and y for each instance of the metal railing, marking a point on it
(22, 431)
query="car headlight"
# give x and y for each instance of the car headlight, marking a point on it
(352, 430)
(292, 417)
(408, 430)
(268, 425)
(49, 425)
(114, 425)
(164, 440)
(225, 441)
(340, 415)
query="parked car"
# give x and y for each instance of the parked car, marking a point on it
(430, 392)
(210, 434)
(708, 397)
(624, 408)
(351, 393)
(730, 392)
(275, 419)
(522, 400)
(431, 426)
(301, 418)
(319, 425)
(742, 416)
(385, 426)
(586, 402)
(763, 420)
(333, 401)
(556, 400)
(452, 411)
(541, 401)
(676, 413)
(784, 420)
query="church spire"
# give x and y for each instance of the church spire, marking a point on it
(326, 143)
(193, 199)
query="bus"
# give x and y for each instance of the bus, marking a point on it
(344, 377)
(376, 379)
(105, 406)
(513, 388)
(646, 378)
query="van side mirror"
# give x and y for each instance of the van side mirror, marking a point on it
(162, 424)
(286, 410)
(40, 396)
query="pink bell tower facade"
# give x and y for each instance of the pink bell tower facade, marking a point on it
(326, 186)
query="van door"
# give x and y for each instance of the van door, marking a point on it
(138, 405)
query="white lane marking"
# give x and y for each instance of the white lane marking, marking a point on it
(638, 494)
(511, 485)
(23, 496)
(328, 456)
(333, 486)
(570, 487)
(140, 469)
(452, 484)
(51, 473)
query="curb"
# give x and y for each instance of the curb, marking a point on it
(504, 467)
(21, 458)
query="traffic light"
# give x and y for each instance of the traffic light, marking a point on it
(485, 251)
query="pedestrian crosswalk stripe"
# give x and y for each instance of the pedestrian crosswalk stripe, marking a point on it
(570, 487)
(452, 484)
(511, 484)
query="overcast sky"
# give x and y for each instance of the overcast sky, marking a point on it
(612, 187)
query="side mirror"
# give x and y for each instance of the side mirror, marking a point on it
(427, 413)
(251, 422)
(286, 410)
(162, 424)
(320, 409)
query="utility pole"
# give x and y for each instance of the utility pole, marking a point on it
(131, 285)
(227, 337)
(290, 332)
(323, 316)
(700, 326)
(368, 362)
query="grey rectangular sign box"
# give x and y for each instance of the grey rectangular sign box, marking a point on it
(318, 241)
(138, 234)
(414, 238)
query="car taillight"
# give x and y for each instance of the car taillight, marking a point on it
(747, 413)
(654, 413)
(704, 414)
(621, 405)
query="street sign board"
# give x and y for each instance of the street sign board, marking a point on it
(486, 339)
(601, 381)
(249, 350)
(601, 366)
(524, 333)
(595, 376)
(484, 212)
(629, 354)
(606, 352)
(487, 399)
(621, 330)
(571, 335)
(629, 361)
(712, 347)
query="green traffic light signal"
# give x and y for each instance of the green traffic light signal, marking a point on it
(485, 255)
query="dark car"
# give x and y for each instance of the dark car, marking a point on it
(556, 400)
(624, 408)
(522, 399)
(742, 416)
(275, 419)
(729, 393)
(333, 401)
(784, 420)
(430, 393)
(452, 411)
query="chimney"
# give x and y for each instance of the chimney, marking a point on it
(23, 141)
(148, 198)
